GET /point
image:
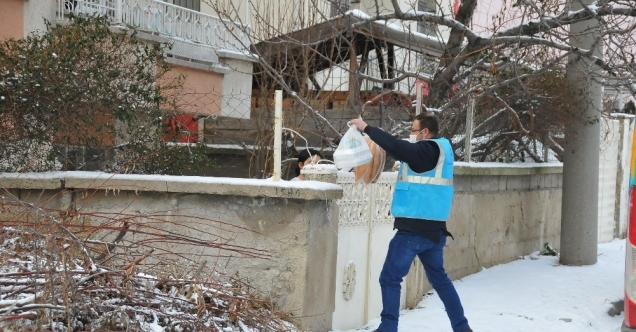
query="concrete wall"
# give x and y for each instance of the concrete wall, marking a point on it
(295, 224)
(328, 242)
(501, 213)
(614, 163)
(237, 85)
(35, 12)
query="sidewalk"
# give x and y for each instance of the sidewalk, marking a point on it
(531, 295)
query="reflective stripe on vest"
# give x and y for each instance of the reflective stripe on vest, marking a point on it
(425, 180)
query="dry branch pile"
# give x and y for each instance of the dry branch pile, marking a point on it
(52, 280)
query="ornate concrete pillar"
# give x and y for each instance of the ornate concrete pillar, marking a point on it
(320, 172)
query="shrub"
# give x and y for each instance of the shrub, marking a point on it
(84, 92)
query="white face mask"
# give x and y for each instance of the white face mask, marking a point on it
(413, 138)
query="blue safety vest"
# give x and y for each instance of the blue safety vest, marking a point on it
(427, 195)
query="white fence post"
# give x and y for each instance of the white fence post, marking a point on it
(418, 102)
(278, 131)
(469, 130)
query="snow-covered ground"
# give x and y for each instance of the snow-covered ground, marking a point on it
(531, 295)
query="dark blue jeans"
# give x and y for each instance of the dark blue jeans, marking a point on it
(402, 250)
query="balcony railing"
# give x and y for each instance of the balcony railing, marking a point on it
(163, 18)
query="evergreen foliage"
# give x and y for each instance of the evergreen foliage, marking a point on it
(83, 96)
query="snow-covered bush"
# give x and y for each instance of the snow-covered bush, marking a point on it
(63, 271)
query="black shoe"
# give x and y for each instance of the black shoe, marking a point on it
(468, 330)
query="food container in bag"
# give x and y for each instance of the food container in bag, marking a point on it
(352, 151)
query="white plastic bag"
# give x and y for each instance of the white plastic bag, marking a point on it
(352, 151)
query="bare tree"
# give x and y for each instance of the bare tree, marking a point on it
(502, 69)
(519, 71)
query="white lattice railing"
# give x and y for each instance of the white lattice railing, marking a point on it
(363, 203)
(163, 18)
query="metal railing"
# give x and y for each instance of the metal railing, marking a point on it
(163, 18)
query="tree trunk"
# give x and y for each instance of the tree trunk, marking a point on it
(579, 216)
(443, 80)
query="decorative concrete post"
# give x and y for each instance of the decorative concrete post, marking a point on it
(322, 251)
(320, 172)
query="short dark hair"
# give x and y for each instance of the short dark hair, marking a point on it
(304, 155)
(428, 120)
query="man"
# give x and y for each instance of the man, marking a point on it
(421, 205)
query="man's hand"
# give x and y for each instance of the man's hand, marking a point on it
(358, 123)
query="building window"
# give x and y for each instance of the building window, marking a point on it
(427, 28)
(190, 4)
(339, 7)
